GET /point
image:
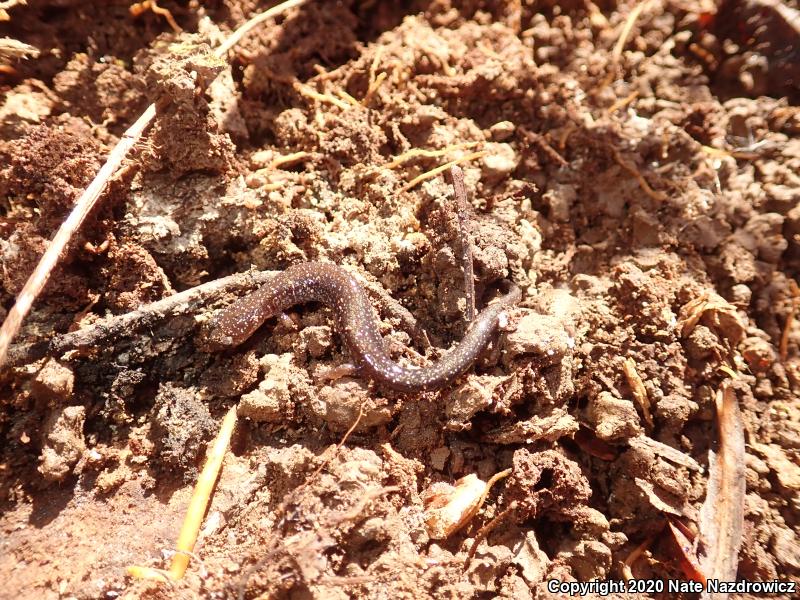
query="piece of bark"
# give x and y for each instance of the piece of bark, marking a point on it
(722, 514)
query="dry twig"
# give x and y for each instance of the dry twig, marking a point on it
(790, 318)
(114, 327)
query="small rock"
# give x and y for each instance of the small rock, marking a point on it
(181, 427)
(537, 334)
(501, 131)
(613, 418)
(474, 395)
(500, 161)
(560, 198)
(785, 548)
(758, 353)
(339, 403)
(272, 401)
(63, 442)
(741, 295)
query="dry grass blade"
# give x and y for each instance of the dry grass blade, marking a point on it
(616, 53)
(417, 152)
(38, 279)
(722, 514)
(440, 169)
(255, 21)
(197, 506)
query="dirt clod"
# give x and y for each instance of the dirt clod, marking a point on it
(63, 442)
(53, 383)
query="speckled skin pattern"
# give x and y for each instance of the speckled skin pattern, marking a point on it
(356, 322)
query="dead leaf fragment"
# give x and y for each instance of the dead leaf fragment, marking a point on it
(722, 514)
(671, 454)
(686, 555)
(550, 428)
(448, 508)
(659, 499)
(715, 312)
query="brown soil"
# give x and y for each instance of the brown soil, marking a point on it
(613, 192)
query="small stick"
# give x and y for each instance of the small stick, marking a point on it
(123, 325)
(460, 192)
(85, 203)
(38, 279)
(787, 327)
(197, 507)
(484, 531)
(627, 573)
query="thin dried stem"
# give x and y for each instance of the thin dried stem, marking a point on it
(38, 279)
(197, 507)
(434, 172)
(239, 34)
(790, 318)
(417, 152)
